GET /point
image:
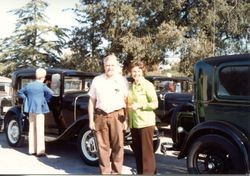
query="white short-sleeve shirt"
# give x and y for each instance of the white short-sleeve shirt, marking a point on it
(110, 93)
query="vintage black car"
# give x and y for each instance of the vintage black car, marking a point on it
(172, 92)
(68, 117)
(214, 135)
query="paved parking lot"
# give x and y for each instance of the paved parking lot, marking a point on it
(64, 159)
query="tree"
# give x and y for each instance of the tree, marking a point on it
(215, 27)
(146, 30)
(34, 42)
(86, 40)
(130, 28)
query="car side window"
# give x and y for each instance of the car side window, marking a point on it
(26, 81)
(73, 84)
(5, 88)
(55, 84)
(234, 81)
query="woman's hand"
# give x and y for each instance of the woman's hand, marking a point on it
(135, 106)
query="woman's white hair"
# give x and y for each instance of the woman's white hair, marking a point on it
(40, 73)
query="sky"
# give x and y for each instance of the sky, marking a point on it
(54, 12)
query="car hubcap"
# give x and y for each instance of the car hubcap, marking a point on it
(13, 131)
(213, 163)
(211, 166)
(89, 146)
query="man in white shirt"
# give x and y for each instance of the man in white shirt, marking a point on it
(107, 116)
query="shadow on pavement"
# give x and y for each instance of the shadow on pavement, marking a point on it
(64, 157)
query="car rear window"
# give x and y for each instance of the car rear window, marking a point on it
(234, 81)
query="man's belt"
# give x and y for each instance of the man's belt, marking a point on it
(101, 112)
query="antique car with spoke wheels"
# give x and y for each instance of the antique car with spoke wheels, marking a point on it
(68, 117)
(214, 134)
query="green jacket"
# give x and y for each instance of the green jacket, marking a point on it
(143, 93)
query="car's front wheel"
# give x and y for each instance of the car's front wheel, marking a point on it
(13, 132)
(87, 146)
(214, 154)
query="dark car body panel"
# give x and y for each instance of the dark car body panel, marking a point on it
(217, 107)
(221, 105)
(167, 100)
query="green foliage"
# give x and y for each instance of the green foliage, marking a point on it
(29, 45)
(88, 64)
(132, 29)
(146, 30)
(215, 27)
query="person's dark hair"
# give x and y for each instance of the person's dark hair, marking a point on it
(137, 63)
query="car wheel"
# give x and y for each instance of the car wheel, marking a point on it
(13, 132)
(87, 147)
(214, 154)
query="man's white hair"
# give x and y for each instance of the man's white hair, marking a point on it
(40, 73)
(111, 57)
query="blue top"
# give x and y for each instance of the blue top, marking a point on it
(35, 96)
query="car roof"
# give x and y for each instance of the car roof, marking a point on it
(5, 79)
(217, 60)
(31, 72)
(165, 78)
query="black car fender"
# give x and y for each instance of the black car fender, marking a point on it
(73, 129)
(174, 120)
(188, 106)
(14, 111)
(222, 128)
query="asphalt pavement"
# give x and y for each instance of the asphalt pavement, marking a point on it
(63, 159)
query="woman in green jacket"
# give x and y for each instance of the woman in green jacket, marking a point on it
(142, 101)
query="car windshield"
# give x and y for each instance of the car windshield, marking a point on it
(25, 81)
(77, 83)
(73, 84)
(173, 86)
